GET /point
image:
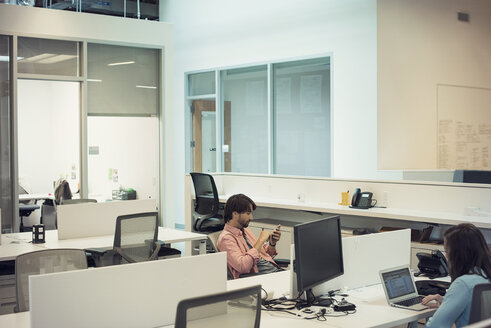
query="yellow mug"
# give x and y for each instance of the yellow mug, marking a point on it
(344, 198)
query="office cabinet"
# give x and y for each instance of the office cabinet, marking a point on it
(7, 293)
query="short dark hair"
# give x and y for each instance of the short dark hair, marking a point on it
(468, 251)
(239, 203)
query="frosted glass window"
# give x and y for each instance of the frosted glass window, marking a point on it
(302, 118)
(245, 120)
(122, 80)
(50, 57)
(5, 150)
(201, 84)
(123, 153)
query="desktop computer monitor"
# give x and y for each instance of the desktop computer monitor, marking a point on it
(318, 254)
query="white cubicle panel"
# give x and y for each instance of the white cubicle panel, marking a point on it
(363, 258)
(97, 219)
(131, 295)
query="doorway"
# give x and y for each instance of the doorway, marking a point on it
(204, 133)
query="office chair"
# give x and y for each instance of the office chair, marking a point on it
(241, 307)
(41, 262)
(77, 201)
(206, 217)
(135, 240)
(26, 210)
(481, 303)
(48, 215)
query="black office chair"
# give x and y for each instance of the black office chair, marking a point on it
(206, 217)
(26, 210)
(240, 307)
(481, 303)
(135, 240)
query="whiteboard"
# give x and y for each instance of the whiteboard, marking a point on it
(464, 127)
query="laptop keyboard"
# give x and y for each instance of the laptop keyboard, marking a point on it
(411, 301)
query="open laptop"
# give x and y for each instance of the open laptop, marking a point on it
(400, 288)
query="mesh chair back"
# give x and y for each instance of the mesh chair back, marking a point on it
(136, 236)
(207, 202)
(241, 307)
(41, 262)
(481, 303)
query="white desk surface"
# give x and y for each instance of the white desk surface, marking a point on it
(36, 196)
(14, 244)
(385, 213)
(11, 248)
(372, 309)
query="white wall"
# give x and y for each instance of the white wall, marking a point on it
(422, 44)
(48, 137)
(128, 144)
(221, 33)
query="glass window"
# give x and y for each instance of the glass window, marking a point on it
(201, 84)
(48, 136)
(122, 80)
(123, 153)
(302, 117)
(245, 119)
(5, 151)
(51, 57)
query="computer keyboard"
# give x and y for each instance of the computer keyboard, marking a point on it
(411, 301)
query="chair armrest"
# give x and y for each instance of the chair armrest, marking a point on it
(283, 263)
(96, 251)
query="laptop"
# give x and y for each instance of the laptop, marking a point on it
(400, 288)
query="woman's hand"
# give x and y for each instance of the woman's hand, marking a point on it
(433, 301)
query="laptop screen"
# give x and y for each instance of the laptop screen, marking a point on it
(398, 283)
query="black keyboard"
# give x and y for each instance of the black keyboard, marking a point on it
(411, 301)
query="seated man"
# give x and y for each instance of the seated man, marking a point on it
(245, 252)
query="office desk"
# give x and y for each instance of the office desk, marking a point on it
(36, 197)
(372, 309)
(11, 248)
(23, 239)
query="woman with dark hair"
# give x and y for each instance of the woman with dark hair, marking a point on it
(469, 264)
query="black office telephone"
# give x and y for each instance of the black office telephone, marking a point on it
(432, 265)
(362, 199)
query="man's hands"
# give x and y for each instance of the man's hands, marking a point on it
(428, 300)
(275, 236)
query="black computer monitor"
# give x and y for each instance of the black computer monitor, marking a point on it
(318, 254)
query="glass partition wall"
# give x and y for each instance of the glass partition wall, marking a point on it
(6, 185)
(272, 118)
(97, 128)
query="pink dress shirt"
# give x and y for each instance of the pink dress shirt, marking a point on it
(241, 258)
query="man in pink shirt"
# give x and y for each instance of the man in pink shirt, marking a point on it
(245, 252)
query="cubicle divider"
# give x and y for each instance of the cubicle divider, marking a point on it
(133, 295)
(97, 219)
(363, 258)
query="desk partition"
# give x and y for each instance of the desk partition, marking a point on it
(363, 257)
(131, 295)
(97, 219)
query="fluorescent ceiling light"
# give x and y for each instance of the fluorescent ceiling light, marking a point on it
(56, 59)
(94, 80)
(7, 58)
(121, 63)
(146, 87)
(38, 57)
